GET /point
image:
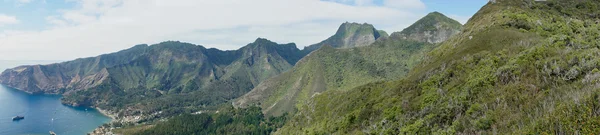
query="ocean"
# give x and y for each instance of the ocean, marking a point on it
(43, 113)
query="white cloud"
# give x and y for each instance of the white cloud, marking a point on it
(6, 19)
(404, 4)
(56, 21)
(103, 26)
(24, 1)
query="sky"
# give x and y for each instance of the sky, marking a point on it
(70, 29)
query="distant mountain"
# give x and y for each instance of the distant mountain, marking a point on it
(6, 64)
(148, 78)
(342, 69)
(350, 35)
(433, 28)
(517, 67)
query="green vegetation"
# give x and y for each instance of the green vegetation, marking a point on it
(160, 80)
(350, 35)
(518, 67)
(433, 28)
(432, 22)
(227, 120)
(175, 78)
(329, 68)
(335, 69)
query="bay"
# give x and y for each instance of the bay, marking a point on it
(43, 113)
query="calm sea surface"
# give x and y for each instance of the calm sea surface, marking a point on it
(43, 113)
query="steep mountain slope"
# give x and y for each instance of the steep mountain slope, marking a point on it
(350, 35)
(339, 69)
(518, 67)
(77, 74)
(158, 77)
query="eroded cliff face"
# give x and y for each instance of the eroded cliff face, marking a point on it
(41, 79)
(66, 77)
(350, 35)
(19, 78)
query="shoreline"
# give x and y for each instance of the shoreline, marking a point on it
(31, 93)
(106, 113)
(101, 130)
(103, 112)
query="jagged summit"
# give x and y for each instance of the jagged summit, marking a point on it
(262, 40)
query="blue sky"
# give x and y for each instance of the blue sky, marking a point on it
(457, 7)
(68, 29)
(32, 15)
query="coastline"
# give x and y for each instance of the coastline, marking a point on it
(52, 102)
(101, 130)
(106, 113)
(31, 93)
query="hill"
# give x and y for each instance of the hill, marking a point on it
(517, 67)
(340, 69)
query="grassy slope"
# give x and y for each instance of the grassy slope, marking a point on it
(530, 67)
(389, 58)
(336, 69)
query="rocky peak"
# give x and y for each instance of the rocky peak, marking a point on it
(435, 27)
(262, 47)
(350, 35)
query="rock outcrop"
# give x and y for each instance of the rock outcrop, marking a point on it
(350, 35)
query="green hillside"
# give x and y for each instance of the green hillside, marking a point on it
(158, 80)
(338, 69)
(517, 67)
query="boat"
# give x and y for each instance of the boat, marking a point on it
(52, 133)
(16, 118)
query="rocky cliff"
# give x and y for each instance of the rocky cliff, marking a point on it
(350, 35)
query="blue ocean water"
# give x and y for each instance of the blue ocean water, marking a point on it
(43, 113)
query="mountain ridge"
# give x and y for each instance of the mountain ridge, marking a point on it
(158, 71)
(331, 68)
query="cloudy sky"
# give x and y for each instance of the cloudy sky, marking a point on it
(69, 29)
